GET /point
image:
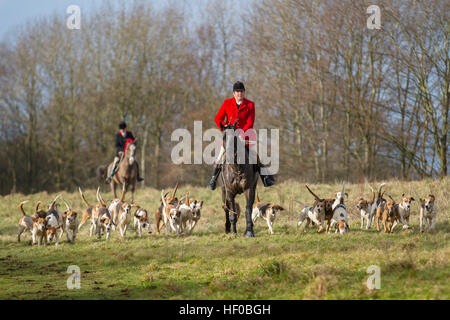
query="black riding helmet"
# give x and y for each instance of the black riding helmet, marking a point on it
(122, 125)
(238, 86)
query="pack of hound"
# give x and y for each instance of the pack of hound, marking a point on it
(386, 212)
(181, 216)
(177, 215)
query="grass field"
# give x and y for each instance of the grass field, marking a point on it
(209, 264)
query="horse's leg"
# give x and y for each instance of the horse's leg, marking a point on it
(233, 217)
(113, 189)
(250, 199)
(133, 187)
(227, 213)
(227, 218)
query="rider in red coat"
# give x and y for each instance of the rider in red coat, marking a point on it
(243, 110)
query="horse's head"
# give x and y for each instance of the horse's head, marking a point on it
(130, 151)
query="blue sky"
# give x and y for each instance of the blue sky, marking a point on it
(16, 12)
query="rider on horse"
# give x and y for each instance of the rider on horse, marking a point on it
(242, 110)
(121, 140)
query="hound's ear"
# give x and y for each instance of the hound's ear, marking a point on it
(201, 203)
(403, 194)
(346, 194)
(431, 196)
(412, 199)
(74, 214)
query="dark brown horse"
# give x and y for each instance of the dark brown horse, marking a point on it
(238, 176)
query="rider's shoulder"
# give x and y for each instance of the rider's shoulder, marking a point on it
(249, 102)
(231, 101)
(228, 101)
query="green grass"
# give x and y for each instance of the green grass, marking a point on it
(211, 265)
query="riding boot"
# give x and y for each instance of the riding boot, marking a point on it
(215, 174)
(267, 180)
(139, 178)
(113, 171)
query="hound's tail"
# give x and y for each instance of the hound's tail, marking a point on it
(380, 195)
(83, 198)
(39, 203)
(299, 202)
(21, 207)
(315, 196)
(162, 198)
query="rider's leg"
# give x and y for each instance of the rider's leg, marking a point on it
(267, 180)
(114, 168)
(216, 169)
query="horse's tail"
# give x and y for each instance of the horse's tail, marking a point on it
(101, 173)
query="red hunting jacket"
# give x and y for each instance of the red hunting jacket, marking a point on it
(245, 115)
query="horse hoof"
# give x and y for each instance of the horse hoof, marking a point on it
(249, 234)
